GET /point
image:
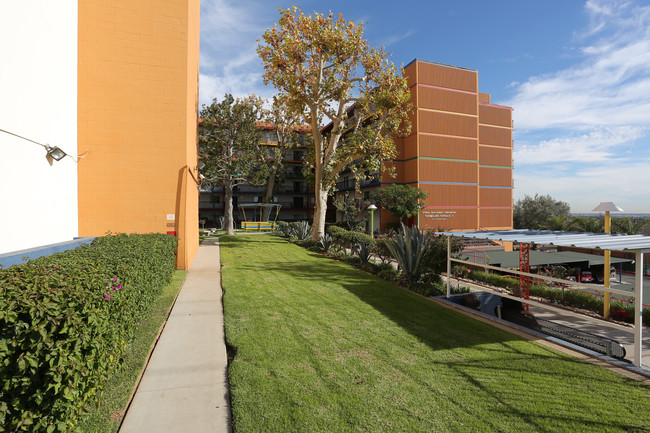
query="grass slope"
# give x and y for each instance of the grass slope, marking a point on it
(107, 415)
(323, 347)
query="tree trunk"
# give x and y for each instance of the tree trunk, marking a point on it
(227, 209)
(268, 198)
(318, 228)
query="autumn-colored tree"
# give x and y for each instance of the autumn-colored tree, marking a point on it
(287, 127)
(322, 66)
(229, 147)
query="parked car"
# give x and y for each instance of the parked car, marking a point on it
(586, 277)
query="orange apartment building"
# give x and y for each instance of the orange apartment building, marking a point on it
(459, 151)
(138, 67)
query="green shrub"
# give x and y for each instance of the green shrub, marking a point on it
(65, 322)
(381, 250)
(345, 239)
(386, 271)
(337, 234)
(354, 241)
(284, 228)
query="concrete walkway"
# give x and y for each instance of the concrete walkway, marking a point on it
(184, 387)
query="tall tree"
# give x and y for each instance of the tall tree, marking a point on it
(557, 223)
(229, 146)
(351, 208)
(630, 226)
(532, 212)
(286, 126)
(322, 66)
(402, 201)
(588, 224)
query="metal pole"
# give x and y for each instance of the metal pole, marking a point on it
(372, 221)
(448, 266)
(638, 308)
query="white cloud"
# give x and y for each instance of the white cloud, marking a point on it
(392, 39)
(229, 61)
(597, 113)
(622, 183)
(600, 145)
(610, 84)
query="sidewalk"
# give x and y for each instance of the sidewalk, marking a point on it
(184, 387)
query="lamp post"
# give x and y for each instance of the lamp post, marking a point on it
(372, 209)
(607, 207)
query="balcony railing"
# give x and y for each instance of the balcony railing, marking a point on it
(289, 190)
(293, 174)
(351, 184)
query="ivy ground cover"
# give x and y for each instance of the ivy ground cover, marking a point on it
(319, 346)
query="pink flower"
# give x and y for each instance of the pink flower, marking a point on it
(107, 296)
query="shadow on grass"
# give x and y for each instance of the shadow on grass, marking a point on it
(438, 327)
(504, 378)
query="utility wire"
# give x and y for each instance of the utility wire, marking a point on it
(20, 136)
(46, 146)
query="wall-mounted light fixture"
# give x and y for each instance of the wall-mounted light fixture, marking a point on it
(53, 153)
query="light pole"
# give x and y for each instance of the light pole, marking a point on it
(607, 207)
(372, 209)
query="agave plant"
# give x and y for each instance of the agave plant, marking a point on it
(301, 230)
(326, 242)
(408, 248)
(364, 249)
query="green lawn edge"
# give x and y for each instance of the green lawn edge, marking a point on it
(332, 348)
(107, 415)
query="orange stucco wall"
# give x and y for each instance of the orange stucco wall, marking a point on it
(137, 112)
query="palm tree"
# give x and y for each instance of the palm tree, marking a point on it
(557, 223)
(587, 224)
(630, 226)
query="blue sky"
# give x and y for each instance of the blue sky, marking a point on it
(576, 72)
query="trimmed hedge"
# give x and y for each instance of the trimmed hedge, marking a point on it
(66, 321)
(350, 239)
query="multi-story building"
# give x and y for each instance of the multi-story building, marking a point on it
(459, 151)
(291, 190)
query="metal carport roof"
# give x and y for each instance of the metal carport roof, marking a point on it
(568, 239)
(640, 244)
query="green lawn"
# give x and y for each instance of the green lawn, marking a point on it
(107, 415)
(320, 346)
